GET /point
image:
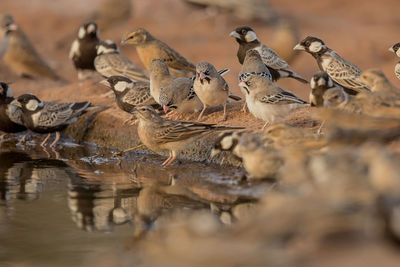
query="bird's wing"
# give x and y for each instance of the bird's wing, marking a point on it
(174, 59)
(272, 59)
(54, 114)
(279, 98)
(140, 94)
(172, 131)
(344, 72)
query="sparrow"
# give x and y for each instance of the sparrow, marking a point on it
(10, 116)
(20, 54)
(159, 77)
(256, 151)
(278, 67)
(378, 83)
(84, 48)
(129, 94)
(48, 117)
(341, 71)
(148, 47)
(395, 49)
(211, 88)
(320, 83)
(109, 62)
(373, 105)
(180, 96)
(267, 101)
(160, 134)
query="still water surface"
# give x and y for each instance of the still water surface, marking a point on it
(69, 210)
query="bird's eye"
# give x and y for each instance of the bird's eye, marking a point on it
(244, 31)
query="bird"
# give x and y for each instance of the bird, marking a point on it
(376, 80)
(129, 94)
(267, 101)
(21, 56)
(84, 48)
(278, 67)
(180, 96)
(48, 117)
(320, 83)
(5, 21)
(373, 105)
(256, 152)
(211, 88)
(160, 134)
(10, 116)
(395, 49)
(160, 77)
(149, 47)
(341, 71)
(109, 62)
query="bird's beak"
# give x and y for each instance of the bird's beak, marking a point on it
(16, 103)
(165, 108)
(299, 47)
(13, 27)
(234, 34)
(391, 49)
(214, 152)
(104, 82)
(202, 75)
(242, 84)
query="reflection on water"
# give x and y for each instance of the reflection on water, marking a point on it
(87, 203)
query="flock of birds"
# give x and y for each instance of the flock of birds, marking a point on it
(176, 86)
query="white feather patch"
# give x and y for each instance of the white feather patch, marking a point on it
(312, 83)
(91, 28)
(398, 52)
(32, 105)
(250, 36)
(120, 86)
(75, 51)
(9, 93)
(81, 32)
(315, 47)
(227, 142)
(35, 118)
(105, 50)
(321, 82)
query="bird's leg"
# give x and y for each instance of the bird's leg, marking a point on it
(45, 140)
(224, 116)
(23, 139)
(172, 157)
(128, 149)
(170, 114)
(55, 140)
(320, 128)
(244, 108)
(202, 111)
(265, 125)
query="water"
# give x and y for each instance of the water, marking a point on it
(69, 206)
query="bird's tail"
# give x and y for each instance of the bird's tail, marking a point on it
(297, 77)
(235, 97)
(223, 71)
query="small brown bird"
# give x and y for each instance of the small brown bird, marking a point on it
(148, 47)
(160, 134)
(109, 62)
(378, 83)
(21, 56)
(211, 88)
(160, 77)
(320, 83)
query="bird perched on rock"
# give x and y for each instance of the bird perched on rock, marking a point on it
(159, 134)
(341, 71)
(110, 62)
(48, 117)
(129, 94)
(211, 88)
(10, 116)
(148, 47)
(84, 48)
(378, 83)
(278, 67)
(320, 83)
(20, 54)
(267, 101)
(395, 49)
